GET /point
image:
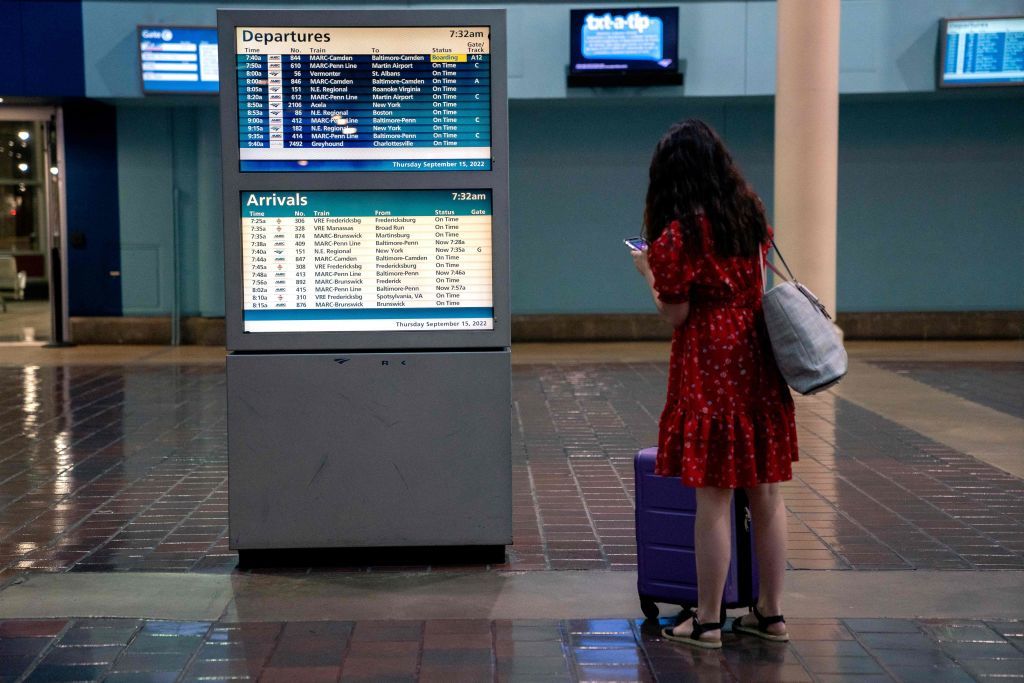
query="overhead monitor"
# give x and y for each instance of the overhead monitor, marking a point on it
(981, 52)
(178, 59)
(411, 98)
(360, 261)
(628, 46)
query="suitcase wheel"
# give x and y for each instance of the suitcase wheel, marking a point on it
(649, 608)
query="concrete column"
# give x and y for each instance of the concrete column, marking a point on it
(807, 140)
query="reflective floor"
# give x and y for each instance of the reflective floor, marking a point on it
(131, 650)
(125, 468)
(996, 385)
(114, 460)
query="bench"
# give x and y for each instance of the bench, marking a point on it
(12, 280)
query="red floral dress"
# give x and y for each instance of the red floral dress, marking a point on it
(728, 420)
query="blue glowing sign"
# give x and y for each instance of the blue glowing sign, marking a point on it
(178, 60)
(624, 46)
(634, 36)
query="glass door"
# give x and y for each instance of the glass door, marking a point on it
(29, 222)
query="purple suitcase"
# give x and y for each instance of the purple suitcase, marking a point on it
(666, 563)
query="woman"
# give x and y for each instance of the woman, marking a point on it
(728, 420)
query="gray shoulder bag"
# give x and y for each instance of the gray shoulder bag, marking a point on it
(807, 348)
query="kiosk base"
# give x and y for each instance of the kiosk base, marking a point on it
(379, 557)
(369, 450)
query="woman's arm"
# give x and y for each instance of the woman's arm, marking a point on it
(676, 314)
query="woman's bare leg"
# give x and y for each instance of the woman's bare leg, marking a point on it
(768, 510)
(713, 540)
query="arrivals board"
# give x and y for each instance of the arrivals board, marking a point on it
(364, 98)
(980, 52)
(346, 261)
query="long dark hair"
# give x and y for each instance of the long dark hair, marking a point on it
(691, 171)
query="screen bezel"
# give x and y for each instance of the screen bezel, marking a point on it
(940, 75)
(236, 182)
(161, 93)
(640, 74)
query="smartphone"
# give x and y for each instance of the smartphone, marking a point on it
(636, 243)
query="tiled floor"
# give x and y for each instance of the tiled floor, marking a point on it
(110, 466)
(996, 385)
(124, 468)
(124, 650)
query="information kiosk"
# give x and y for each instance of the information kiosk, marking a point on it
(366, 262)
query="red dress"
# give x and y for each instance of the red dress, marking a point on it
(728, 420)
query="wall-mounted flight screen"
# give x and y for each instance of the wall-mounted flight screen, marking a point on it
(347, 261)
(364, 99)
(980, 52)
(624, 46)
(178, 59)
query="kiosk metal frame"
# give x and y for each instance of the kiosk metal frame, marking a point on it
(377, 438)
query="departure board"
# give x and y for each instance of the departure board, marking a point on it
(981, 52)
(364, 99)
(341, 261)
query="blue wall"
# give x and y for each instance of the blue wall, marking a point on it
(931, 211)
(93, 221)
(931, 204)
(930, 207)
(169, 159)
(41, 50)
(578, 178)
(931, 216)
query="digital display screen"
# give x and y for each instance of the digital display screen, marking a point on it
(624, 44)
(178, 59)
(364, 99)
(979, 52)
(345, 261)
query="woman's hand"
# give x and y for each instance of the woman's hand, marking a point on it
(675, 314)
(642, 266)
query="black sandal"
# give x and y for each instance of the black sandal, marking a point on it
(694, 638)
(761, 630)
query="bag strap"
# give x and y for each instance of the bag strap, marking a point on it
(775, 270)
(781, 258)
(765, 263)
(764, 275)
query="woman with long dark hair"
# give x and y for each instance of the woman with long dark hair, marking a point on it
(728, 420)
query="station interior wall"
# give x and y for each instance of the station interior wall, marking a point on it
(930, 208)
